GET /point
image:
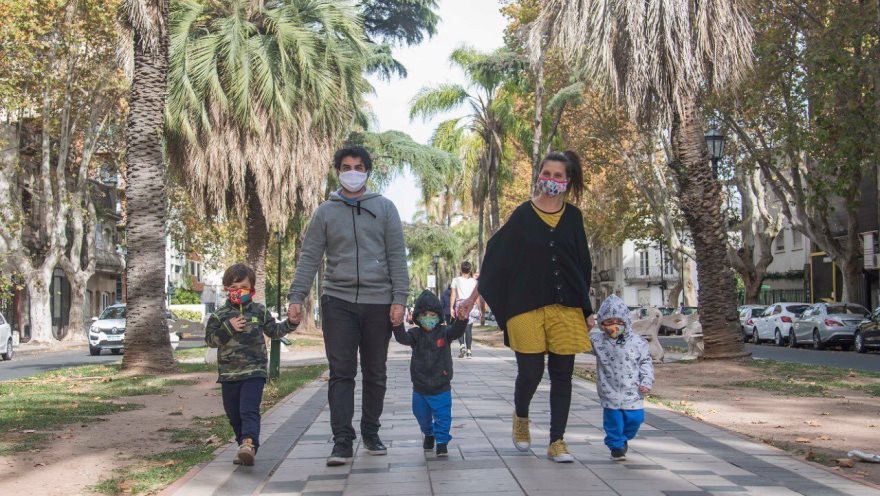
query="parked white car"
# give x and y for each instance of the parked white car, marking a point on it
(5, 339)
(107, 331)
(776, 322)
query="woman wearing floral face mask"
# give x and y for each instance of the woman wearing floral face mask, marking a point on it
(536, 279)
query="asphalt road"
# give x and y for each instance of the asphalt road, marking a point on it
(21, 366)
(869, 362)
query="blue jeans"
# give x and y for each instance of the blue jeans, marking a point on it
(434, 414)
(621, 426)
(241, 400)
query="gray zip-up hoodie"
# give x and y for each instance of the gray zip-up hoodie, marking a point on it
(622, 364)
(366, 255)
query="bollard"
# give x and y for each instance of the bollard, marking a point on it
(275, 359)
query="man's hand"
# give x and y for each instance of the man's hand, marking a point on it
(237, 323)
(294, 313)
(644, 389)
(591, 321)
(396, 314)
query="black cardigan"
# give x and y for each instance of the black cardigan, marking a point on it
(529, 265)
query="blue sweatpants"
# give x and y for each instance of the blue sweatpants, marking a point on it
(241, 400)
(434, 414)
(621, 426)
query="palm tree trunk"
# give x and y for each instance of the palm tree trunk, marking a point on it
(700, 195)
(257, 239)
(494, 209)
(147, 347)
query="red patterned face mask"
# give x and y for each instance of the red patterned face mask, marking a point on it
(241, 296)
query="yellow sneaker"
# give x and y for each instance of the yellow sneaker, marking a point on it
(558, 452)
(246, 452)
(521, 437)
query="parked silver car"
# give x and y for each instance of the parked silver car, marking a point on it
(776, 322)
(107, 331)
(828, 323)
(748, 314)
(5, 339)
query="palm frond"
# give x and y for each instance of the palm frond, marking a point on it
(432, 101)
(651, 55)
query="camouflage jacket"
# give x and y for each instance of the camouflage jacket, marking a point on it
(242, 355)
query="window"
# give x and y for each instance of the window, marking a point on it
(797, 240)
(1, 320)
(780, 241)
(777, 310)
(643, 263)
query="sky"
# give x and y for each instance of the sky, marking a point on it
(477, 23)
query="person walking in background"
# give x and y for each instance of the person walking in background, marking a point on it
(365, 289)
(447, 307)
(431, 370)
(536, 278)
(625, 373)
(463, 287)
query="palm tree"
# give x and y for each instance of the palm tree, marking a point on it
(490, 111)
(259, 94)
(147, 347)
(656, 57)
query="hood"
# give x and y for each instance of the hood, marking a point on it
(613, 306)
(427, 301)
(337, 195)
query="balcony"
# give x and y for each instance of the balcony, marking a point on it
(603, 275)
(649, 274)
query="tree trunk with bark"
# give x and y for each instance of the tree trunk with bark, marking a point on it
(700, 194)
(147, 344)
(37, 285)
(480, 234)
(257, 241)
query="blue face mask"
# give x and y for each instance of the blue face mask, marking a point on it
(429, 322)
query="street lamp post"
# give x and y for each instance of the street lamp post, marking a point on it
(437, 275)
(715, 144)
(275, 345)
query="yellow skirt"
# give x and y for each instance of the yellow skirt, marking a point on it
(554, 328)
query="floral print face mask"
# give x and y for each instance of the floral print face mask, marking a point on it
(552, 187)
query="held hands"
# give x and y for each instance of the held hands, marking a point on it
(644, 389)
(462, 313)
(237, 323)
(591, 321)
(396, 314)
(294, 313)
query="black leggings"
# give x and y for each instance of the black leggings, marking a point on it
(530, 370)
(467, 337)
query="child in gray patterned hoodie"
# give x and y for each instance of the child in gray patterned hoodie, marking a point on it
(624, 374)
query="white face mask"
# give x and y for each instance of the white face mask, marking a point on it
(353, 181)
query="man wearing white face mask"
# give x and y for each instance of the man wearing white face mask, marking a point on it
(365, 289)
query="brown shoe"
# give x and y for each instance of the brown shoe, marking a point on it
(236, 460)
(246, 452)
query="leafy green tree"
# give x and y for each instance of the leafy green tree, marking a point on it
(658, 58)
(808, 119)
(259, 95)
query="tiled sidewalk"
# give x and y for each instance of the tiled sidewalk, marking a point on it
(673, 455)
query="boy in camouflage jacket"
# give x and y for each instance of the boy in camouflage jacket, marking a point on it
(237, 330)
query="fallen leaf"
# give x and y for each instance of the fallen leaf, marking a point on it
(824, 414)
(761, 422)
(802, 440)
(824, 437)
(779, 427)
(28, 431)
(169, 463)
(738, 398)
(713, 411)
(39, 464)
(213, 440)
(851, 374)
(812, 423)
(861, 473)
(845, 462)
